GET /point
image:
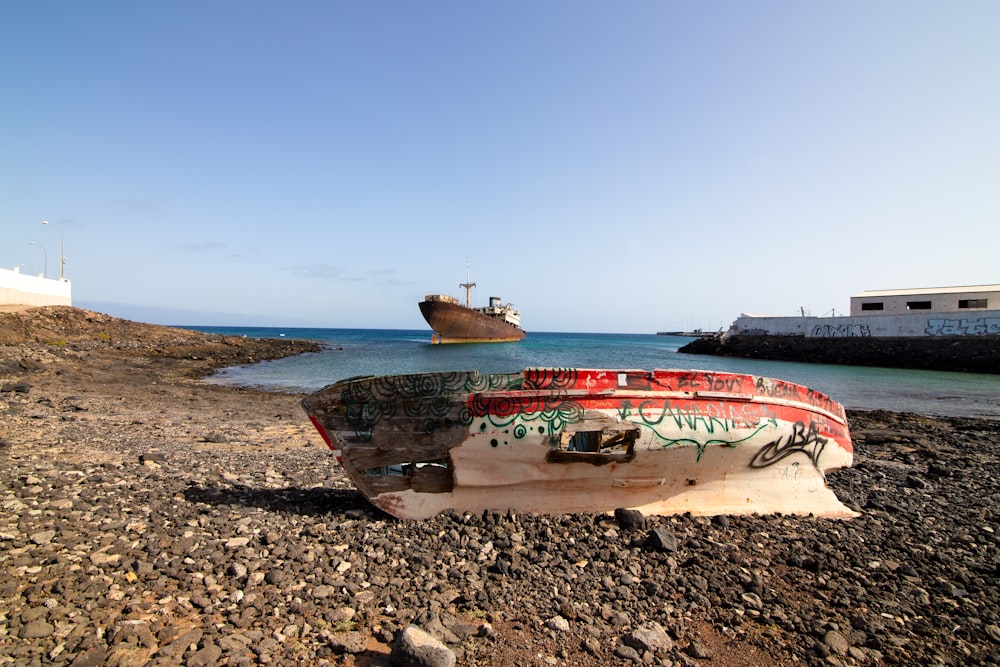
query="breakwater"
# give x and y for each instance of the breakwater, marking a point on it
(974, 354)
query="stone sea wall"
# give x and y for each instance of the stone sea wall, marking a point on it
(976, 354)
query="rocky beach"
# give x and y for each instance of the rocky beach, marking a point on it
(148, 517)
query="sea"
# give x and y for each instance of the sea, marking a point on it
(353, 352)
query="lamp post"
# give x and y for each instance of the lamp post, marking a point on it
(62, 248)
(45, 257)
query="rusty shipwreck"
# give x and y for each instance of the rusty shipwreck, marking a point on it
(454, 323)
(578, 440)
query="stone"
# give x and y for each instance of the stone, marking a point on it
(179, 645)
(557, 623)
(101, 558)
(275, 577)
(649, 637)
(697, 650)
(36, 629)
(591, 645)
(91, 657)
(341, 614)
(351, 641)
(127, 656)
(626, 652)
(836, 642)
(630, 519)
(43, 536)
(415, 648)
(206, 657)
(661, 539)
(323, 591)
(432, 624)
(234, 643)
(137, 629)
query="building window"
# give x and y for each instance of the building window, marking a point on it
(918, 305)
(872, 306)
(972, 303)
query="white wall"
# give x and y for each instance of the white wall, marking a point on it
(981, 322)
(19, 289)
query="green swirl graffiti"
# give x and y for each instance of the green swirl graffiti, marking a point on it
(555, 419)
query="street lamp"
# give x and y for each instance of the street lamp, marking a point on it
(62, 248)
(45, 257)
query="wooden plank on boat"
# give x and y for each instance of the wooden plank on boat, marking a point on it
(432, 479)
(379, 484)
(395, 452)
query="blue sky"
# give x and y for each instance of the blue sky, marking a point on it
(604, 166)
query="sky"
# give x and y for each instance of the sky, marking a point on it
(626, 167)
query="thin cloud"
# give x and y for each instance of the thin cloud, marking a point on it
(321, 272)
(393, 282)
(387, 278)
(200, 247)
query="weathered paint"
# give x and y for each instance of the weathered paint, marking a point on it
(670, 441)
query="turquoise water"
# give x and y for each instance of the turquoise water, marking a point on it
(354, 352)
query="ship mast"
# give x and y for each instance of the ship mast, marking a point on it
(467, 285)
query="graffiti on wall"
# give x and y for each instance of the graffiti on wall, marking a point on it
(983, 326)
(841, 331)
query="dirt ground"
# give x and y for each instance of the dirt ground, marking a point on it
(122, 376)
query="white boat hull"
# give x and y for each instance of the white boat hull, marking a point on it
(662, 442)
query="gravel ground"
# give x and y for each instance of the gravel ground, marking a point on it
(148, 518)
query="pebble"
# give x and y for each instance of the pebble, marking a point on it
(836, 642)
(649, 637)
(416, 648)
(37, 629)
(557, 623)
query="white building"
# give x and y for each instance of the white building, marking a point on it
(935, 311)
(930, 299)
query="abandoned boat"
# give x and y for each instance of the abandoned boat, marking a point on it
(454, 323)
(574, 440)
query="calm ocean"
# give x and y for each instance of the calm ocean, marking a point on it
(386, 351)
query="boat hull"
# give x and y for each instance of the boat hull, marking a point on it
(454, 323)
(572, 440)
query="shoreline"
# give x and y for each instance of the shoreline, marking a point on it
(154, 518)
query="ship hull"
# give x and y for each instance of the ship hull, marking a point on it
(572, 440)
(453, 323)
